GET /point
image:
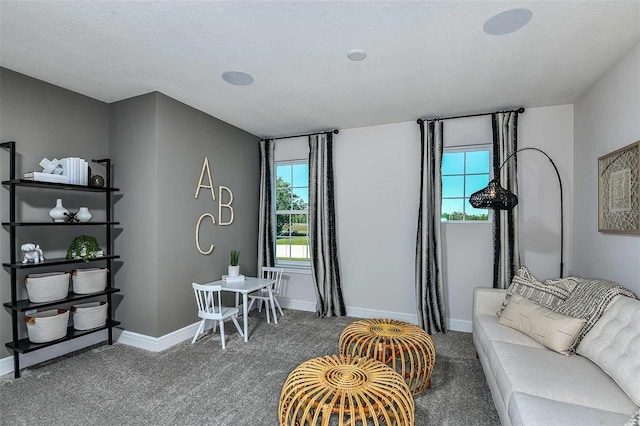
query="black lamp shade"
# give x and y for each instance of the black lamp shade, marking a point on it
(493, 196)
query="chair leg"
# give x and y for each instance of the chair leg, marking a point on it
(235, 322)
(222, 334)
(215, 324)
(259, 305)
(278, 305)
(199, 331)
(266, 308)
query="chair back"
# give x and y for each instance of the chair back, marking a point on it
(275, 274)
(209, 300)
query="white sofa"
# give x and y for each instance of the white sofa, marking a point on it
(532, 385)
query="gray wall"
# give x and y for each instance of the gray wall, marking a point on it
(607, 117)
(133, 151)
(45, 121)
(158, 146)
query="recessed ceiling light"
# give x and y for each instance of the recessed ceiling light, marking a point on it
(237, 78)
(357, 55)
(507, 22)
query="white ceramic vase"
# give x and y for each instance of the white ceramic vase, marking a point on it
(84, 215)
(233, 271)
(58, 212)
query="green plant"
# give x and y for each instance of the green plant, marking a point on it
(84, 247)
(235, 256)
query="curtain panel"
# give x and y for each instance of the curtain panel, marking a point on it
(505, 222)
(428, 280)
(266, 220)
(323, 247)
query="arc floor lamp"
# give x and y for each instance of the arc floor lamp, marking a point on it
(494, 196)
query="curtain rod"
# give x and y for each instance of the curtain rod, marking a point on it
(335, 131)
(422, 120)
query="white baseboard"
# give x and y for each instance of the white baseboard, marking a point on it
(304, 305)
(63, 348)
(157, 344)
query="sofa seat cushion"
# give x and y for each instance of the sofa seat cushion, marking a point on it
(531, 410)
(487, 328)
(547, 374)
(614, 344)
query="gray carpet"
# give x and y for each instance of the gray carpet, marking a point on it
(201, 384)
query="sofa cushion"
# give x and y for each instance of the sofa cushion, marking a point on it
(531, 410)
(544, 373)
(549, 294)
(614, 344)
(487, 328)
(554, 331)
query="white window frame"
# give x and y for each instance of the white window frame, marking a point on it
(301, 266)
(469, 148)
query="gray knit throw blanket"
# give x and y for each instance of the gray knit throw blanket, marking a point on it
(589, 300)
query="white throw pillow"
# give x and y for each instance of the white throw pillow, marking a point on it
(552, 330)
(614, 344)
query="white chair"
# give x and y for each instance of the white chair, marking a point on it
(209, 301)
(263, 294)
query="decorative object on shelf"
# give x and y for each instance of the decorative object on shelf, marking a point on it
(71, 218)
(47, 287)
(58, 213)
(84, 215)
(90, 280)
(76, 169)
(619, 191)
(51, 166)
(97, 181)
(84, 247)
(47, 326)
(89, 315)
(496, 197)
(234, 268)
(31, 253)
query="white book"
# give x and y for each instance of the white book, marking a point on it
(46, 177)
(235, 279)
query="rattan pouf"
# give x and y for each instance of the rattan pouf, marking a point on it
(345, 391)
(406, 348)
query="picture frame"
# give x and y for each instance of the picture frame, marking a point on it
(619, 191)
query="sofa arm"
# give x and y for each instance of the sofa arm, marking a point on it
(487, 301)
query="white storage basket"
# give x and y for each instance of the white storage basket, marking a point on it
(89, 315)
(47, 326)
(90, 280)
(47, 287)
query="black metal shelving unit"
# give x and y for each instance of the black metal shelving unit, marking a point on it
(21, 346)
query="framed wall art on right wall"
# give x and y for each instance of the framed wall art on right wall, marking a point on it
(619, 190)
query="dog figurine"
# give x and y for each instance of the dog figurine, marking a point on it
(31, 253)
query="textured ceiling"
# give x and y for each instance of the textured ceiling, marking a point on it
(424, 58)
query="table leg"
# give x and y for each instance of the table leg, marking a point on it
(245, 316)
(273, 305)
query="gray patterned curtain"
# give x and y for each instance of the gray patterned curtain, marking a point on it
(429, 290)
(505, 222)
(265, 220)
(323, 247)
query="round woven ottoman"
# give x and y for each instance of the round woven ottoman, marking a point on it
(406, 348)
(345, 391)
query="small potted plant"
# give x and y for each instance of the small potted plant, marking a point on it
(84, 247)
(234, 268)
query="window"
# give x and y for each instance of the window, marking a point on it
(464, 171)
(292, 203)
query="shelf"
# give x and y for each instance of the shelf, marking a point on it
(62, 186)
(59, 261)
(16, 224)
(27, 305)
(24, 345)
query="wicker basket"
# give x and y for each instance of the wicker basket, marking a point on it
(90, 280)
(89, 315)
(47, 287)
(47, 326)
